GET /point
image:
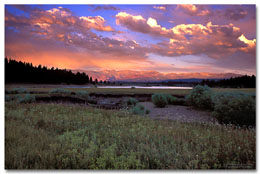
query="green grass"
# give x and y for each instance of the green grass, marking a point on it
(53, 136)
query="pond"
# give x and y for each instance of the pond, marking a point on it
(139, 87)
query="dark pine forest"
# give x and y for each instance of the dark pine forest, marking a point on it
(236, 82)
(22, 72)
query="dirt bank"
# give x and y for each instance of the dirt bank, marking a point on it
(172, 112)
(178, 113)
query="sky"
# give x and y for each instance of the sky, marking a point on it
(152, 42)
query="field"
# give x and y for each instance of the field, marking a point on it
(74, 136)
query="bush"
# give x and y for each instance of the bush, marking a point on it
(28, 98)
(139, 110)
(8, 91)
(19, 90)
(235, 108)
(7, 98)
(82, 94)
(174, 100)
(200, 97)
(160, 100)
(60, 91)
(131, 101)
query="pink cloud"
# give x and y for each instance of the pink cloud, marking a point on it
(193, 10)
(139, 24)
(59, 24)
(163, 8)
(216, 41)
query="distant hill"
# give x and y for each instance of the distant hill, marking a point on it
(191, 80)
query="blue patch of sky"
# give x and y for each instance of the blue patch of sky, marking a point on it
(218, 7)
(13, 29)
(188, 36)
(15, 11)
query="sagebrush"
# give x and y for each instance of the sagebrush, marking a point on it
(235, 108)
(160, 100)
(57, 136)
(201, 97)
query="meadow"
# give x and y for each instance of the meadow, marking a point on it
(73, 136)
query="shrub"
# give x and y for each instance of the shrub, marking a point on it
(235, 108)
(200, 97)
(41, 124)
(160, 100)
(7, 98)
(8, 91)
(19, 90)
(60, 91)
(131, 101)
(82, 94)
(174, 100)
(170, 99)
(28, 98)
(139, 110)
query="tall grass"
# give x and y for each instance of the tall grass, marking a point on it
(60, 91)
(82, 94)
(131, 101)
(27, 98)
(55, 136)
(20, 90)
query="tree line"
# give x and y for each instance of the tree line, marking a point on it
(236, 82)
(22, 72)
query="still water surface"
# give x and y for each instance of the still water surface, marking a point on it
(141, 87)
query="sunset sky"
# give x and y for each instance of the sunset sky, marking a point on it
(135, 41)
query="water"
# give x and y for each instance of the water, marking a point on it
(139, 87)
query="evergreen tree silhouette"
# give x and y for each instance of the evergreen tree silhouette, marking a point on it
(22, 72)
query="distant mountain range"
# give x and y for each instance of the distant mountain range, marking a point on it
(148, 76)
(191, 80)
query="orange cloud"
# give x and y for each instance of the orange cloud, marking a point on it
(251, 44)
(188, 7)
(112, 54)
